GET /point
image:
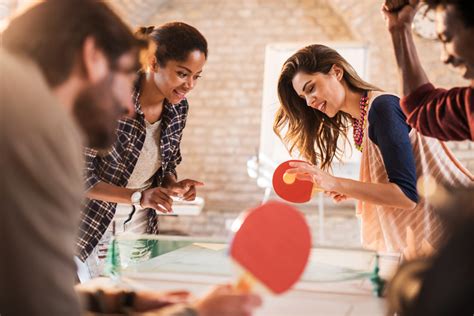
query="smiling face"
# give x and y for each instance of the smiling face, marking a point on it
(323, 92)
(457, 39)
(177, 78)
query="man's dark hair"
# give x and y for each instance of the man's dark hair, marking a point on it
(174, 41)
(465, 9)
(52, 34)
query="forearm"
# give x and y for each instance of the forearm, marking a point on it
(388, 194)
(169, 179)
(110, 193)
(110, 301)
(411, 73)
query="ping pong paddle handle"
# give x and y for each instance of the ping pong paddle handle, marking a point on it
(316, 189)
(289, 178)
(245, 283)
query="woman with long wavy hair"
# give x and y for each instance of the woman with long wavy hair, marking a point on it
(321, 98)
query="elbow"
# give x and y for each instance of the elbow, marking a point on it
(406, 205)
(410, 205)
(406, 199)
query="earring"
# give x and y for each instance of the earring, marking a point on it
(148, 72)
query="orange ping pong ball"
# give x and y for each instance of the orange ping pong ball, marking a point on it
(289, 178)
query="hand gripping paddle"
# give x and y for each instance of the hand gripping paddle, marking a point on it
(289, 188)
(272, 245)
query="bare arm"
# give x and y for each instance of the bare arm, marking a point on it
(156, 198)
(223, 300)
(411, 73)
(110, 193)
(388, 194)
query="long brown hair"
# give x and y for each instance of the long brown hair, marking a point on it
(310, 131)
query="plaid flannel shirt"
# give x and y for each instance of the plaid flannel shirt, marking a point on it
(117, 165)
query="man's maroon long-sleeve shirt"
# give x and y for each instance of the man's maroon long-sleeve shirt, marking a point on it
(440, 113)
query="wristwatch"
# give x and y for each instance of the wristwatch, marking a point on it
(136, 198)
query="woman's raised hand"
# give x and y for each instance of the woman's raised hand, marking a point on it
(307, 172)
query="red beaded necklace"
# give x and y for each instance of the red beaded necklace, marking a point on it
(359, 124)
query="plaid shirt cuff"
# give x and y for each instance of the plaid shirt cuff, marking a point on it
(91, 179)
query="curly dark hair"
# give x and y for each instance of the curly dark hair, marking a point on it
(174, 41)
(465, 8)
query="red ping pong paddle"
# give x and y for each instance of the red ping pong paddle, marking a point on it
(289, 188)
(272, 245)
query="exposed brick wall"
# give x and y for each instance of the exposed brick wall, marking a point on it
(224, 123)
(225, 107)
(223, 127)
